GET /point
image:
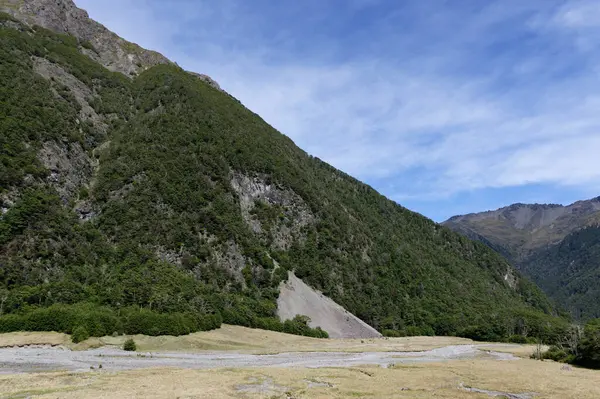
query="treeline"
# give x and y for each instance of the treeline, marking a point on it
(99, 321)
(569, 272)
(85, 320)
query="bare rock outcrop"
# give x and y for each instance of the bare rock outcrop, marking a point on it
(107, 48)
(69, 165)
(294, 214)
(63, 16)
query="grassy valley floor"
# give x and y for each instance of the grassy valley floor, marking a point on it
(440, 380)
(468, 378)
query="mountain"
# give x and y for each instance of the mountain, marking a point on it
(557, 246)
(138, 197)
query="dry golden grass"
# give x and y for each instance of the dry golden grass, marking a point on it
(33, 338)
(440, 380)
(240, 339)
(524, 351)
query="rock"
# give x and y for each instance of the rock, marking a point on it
(295, 216)
(69, 165)
(297, 298)
(63, 16)
(107, 48)
(211, 82)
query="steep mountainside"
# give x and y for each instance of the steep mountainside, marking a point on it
(554, 245)
(147, 200)
(570, 272)
(520, 229)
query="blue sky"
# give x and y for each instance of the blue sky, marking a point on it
(447, 107)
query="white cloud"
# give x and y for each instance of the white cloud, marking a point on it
(579, 14)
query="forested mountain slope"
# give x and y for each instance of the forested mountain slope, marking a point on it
(556, 246)
(570, 272)
(148, 200)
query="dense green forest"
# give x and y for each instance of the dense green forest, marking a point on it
(556, 246)
(166, 246)
(570, 272)
(582, 347)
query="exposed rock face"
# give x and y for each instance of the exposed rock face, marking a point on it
(297, 298)
(231, 259)
(70, 167)
(293, 215)
(207, 79)
(80, 91)
(63, 16)
(115, 53)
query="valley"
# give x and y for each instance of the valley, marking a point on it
(236, 362)
(556, 246)
(158, 239)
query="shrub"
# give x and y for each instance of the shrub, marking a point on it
(393, 333)
(517, 339)
(481, 333)
(130, 345)
(80, 334)
(299, 326)
(413, 331)
(555, 353)
(143, 321)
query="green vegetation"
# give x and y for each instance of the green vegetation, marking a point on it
(588, 350)
(562, 257)
(163, 191)
(84, 320)
(80, 334)
(569, 272)
(582, 349)
(130, 345)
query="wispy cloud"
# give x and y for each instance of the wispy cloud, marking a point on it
(424, 100)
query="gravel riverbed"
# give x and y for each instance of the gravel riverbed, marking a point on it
(45, 358)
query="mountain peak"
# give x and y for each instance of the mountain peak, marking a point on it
(523, 227)
(107, 48)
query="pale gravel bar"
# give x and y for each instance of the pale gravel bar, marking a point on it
(43, 358)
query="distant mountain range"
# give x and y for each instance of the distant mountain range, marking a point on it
(557, 246)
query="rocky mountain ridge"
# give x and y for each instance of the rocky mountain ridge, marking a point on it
(555, 245)
(521, 228)
(97, 42)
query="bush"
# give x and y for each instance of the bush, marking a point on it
(481, 333)
(517, 339)
(299, 326)
(143, 321)
(555, 353)
(98, 321)
(80, 334)
(393, 333)
(130, 345)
